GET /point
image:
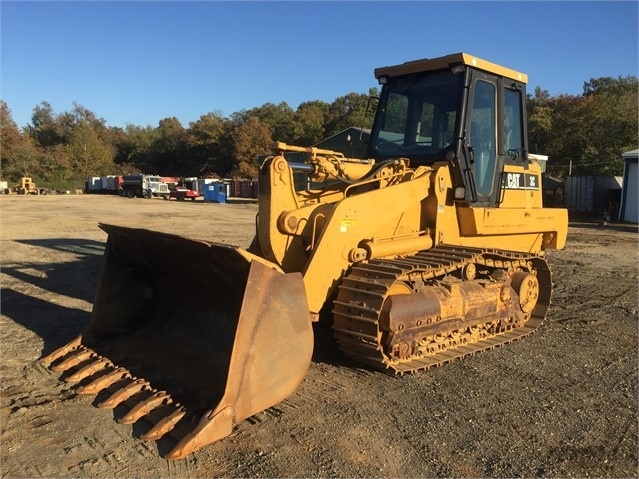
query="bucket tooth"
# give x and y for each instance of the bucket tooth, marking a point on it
(214, 425)
(124, 393)
(82, 354)
(144, 407)
(90, 369)
(164, 425)
(104, 381)
(63, 351)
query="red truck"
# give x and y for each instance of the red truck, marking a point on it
(185, 189)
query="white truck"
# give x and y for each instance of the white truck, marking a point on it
(144, 186)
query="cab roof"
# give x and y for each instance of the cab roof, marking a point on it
(448, 61)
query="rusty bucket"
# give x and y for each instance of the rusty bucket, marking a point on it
(192, 336)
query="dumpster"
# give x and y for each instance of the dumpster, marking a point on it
(215, 193)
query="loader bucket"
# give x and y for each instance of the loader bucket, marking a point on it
(191, 335)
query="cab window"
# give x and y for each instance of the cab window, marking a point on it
(482, 136)
(513, 138)
(417, 116)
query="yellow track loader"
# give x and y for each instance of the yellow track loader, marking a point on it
(26, 187)
(431, 249)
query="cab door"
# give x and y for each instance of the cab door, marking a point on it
(496, 134)
(482, 137)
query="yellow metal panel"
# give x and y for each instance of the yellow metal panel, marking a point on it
(521, 198)
(494, 68)
(350, 221)
(503, 221)
(429, 64)
(530, 243)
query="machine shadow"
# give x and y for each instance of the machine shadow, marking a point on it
(78, 279)
(55, 324)
(326, 349)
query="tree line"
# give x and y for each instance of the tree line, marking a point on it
(585, 134)
(582, 134)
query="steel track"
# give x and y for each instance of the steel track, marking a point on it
(363, 291)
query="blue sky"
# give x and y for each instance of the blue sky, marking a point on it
(139, 62)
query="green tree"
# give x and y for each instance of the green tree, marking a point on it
(539, 120)
(10, 138)
(68, 120)
(55, 167)
(610, 86)
(45, 128)
(610, 118)
(568, 141)
(138, 148)
(208, 151)
(347, 111)
(169, 148)
(88, 155)
(311, 120)
(585, 134)
(251, 138)
(25, 161)
(279, 118)
(116, 140)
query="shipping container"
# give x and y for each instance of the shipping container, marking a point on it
(235, 188)
(94, 184)
(592, 194)
(246, 189)
(111, 183)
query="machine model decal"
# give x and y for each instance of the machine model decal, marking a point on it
(521, 181)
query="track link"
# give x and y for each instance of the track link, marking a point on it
(362, 293)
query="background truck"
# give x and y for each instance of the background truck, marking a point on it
(428, 251)
(103, 185)
(185, 189)
(143, 186)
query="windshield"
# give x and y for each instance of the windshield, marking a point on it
(417, 116)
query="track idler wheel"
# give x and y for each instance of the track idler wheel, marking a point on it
(527, 287)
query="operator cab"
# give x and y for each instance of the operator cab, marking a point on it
(456, 108)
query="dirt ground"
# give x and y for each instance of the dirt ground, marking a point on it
(560, 403)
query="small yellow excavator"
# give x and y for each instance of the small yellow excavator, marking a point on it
(429, 250)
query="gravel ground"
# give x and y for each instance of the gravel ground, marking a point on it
(560, 403)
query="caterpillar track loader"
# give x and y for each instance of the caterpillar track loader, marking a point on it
(431, 249)
(26, 187)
